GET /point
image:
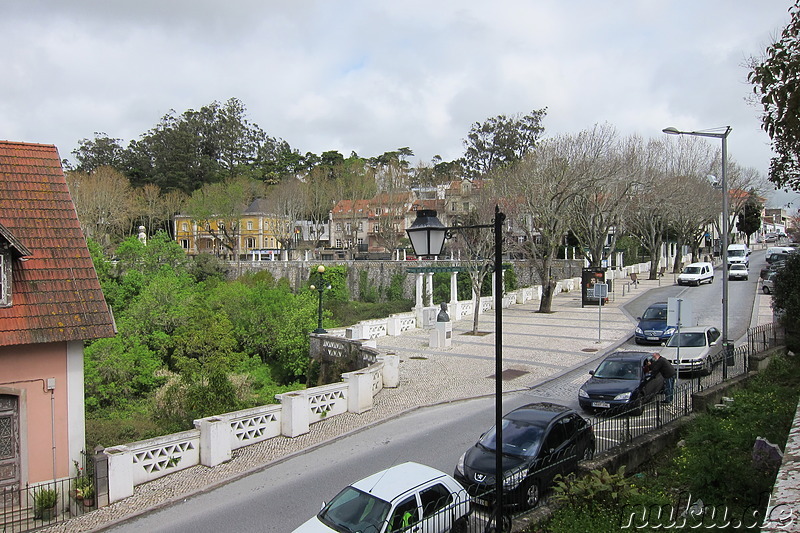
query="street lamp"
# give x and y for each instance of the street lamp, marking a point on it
(724, 184)
(427, 235)
(320, 288)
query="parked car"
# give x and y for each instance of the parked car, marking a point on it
(652, 327)
(768, 283)
(696, 273)
(405, 497)
(738, 271)
(540, 440)
(620, 383)
(774, 267)
(700, 349)
(778, 253)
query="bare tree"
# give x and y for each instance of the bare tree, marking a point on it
(285, 201)
(104, 203)
(476, 245)
(542, 192)
(600, 210)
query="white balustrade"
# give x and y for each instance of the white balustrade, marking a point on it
(250, 426)
(154, 458)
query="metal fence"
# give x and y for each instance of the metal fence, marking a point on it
(44, 504)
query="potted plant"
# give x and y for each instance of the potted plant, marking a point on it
(86, 493)
(44, 503)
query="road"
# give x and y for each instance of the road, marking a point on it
(282, 496)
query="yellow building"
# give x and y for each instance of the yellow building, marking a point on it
(254, 234)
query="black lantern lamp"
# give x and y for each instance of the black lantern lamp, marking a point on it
(427, 234)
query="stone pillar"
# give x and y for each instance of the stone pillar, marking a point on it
(120, 473)
(215, 440)
(418, 293)
(453, 288)
(391, 370)
(294, 414)
(442, 335)
(359, 391)
(429, 289)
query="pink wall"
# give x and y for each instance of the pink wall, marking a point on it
(18, 365)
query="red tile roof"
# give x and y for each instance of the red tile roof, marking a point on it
(56, 295)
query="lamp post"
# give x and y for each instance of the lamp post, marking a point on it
(724, 184)
(320, 288)
(427, 235)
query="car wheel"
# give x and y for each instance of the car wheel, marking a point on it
(711, 281)
(746, 278)
(533, 494)
(765, 289)
(638, 408)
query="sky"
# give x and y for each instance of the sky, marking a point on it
(371, 76)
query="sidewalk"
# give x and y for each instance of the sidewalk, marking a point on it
(536, 347)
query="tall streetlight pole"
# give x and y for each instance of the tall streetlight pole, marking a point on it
(724, 184)
(427, 235)
(320, 288)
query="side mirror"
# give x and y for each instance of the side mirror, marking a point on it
(323, 506)
(591, 372)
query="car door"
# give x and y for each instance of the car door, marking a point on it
(553, 455)
(651, 383)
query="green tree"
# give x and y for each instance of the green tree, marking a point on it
(774, 80)
(501, 140)
(749, 220)
(102, 151)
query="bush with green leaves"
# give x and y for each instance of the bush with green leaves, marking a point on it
(597, 488)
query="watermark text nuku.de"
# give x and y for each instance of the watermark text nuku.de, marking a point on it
(695, 514)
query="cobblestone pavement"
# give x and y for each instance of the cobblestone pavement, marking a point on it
(540, 346)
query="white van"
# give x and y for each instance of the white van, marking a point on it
(738, 253)
(696, 273)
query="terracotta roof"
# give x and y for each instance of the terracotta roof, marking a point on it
(56, 295)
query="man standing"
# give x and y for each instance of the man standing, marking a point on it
(664, 367)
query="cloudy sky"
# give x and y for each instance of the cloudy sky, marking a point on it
(372, 76)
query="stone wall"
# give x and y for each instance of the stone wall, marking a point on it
(380, 273)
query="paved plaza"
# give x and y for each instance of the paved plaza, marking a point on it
(538, 347)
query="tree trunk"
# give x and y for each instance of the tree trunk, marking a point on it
(548, 288)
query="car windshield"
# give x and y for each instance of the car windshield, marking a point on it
(616, 369)
(738, 266)
(688, 340)
(736, 253)
(353, 510)
(691, 270)
(654, 313)
(519, 438)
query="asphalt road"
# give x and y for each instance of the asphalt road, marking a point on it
(284, 495)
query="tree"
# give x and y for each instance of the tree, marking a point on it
(217, 209)
(102, 151)
(749, 220)
(285, 204)
(648, 219)
(774, 80)
(476, 246)
(600, 210)
(501, 140)
(104, 203)
(542, 192)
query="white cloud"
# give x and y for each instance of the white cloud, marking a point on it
(371, 76)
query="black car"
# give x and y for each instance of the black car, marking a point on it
(540, 440)
(621, 383)
(652, 327)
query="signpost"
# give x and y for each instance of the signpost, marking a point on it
(600, 292)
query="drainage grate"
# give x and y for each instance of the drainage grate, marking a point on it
(508, 375)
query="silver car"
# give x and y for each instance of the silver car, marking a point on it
(738, 271)
(700, 349)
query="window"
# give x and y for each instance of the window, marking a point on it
(185, 244)
(348, 227)
(404, 516)
(5, 280)
(434, 499)
(251, 242)
(360, 226)
(360, 240)
(378, 211)
(249, 224)
(338, 243)
(338, 226)
(184, 226)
